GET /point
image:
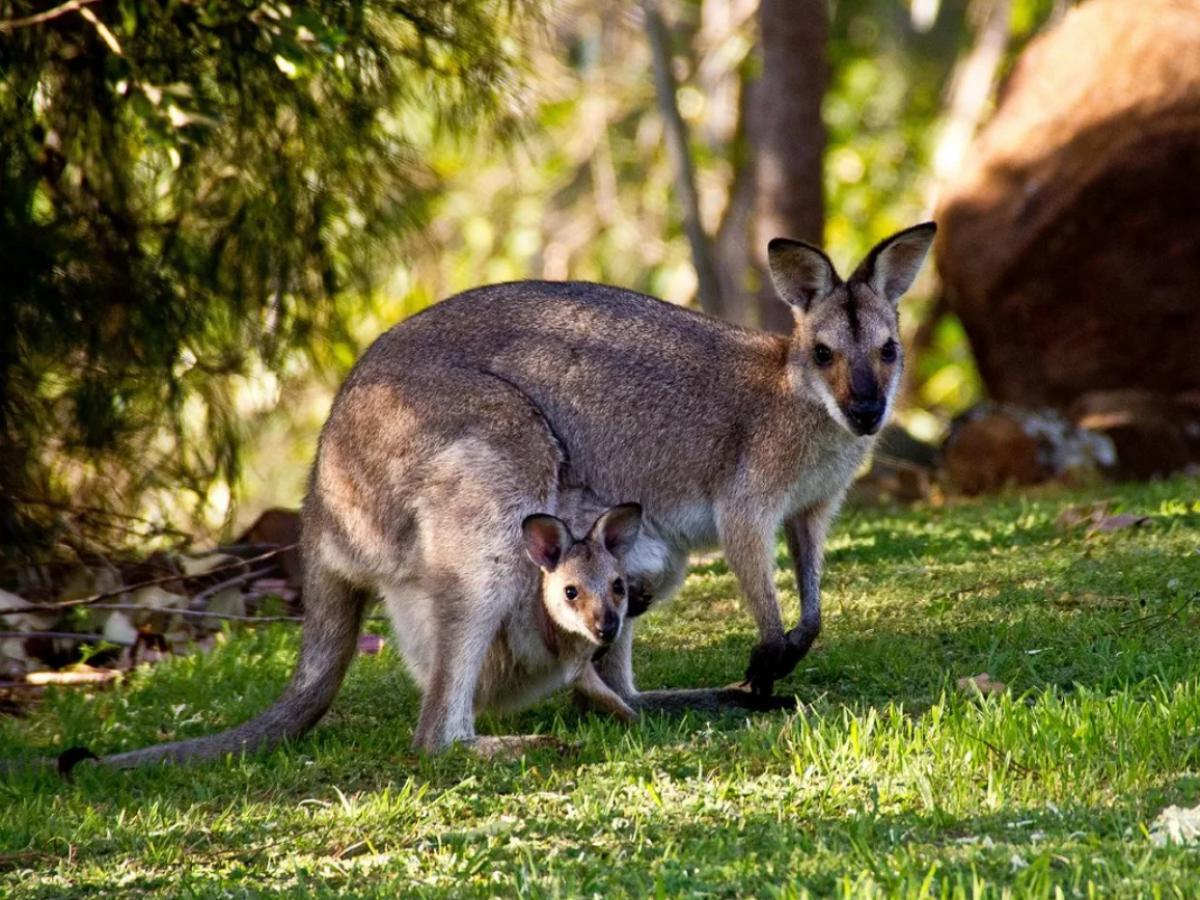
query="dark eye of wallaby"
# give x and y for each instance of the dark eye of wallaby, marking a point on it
(888, 351)
(619, 587)
(571, 591)
(822, 355)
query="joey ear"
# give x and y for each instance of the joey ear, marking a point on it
(546, 540)
(892, 266)
(618, 528)
(800, 272)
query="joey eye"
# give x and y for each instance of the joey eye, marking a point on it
(571, 591)
(618, 587)
(889, 351)
(822, 355)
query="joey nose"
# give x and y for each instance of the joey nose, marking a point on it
(865, 415)
(608, 627)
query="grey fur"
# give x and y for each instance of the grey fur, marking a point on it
(511, 399)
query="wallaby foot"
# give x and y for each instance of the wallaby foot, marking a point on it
(776, 659)
(514, 746)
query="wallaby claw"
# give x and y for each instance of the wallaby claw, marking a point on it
(769, 662)
(509, 746)
(70, 758)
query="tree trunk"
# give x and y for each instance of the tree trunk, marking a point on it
(679, 148)
(788, 138)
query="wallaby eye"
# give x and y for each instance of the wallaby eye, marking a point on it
(619, 587)
(571, 591)
(822, 355)
(889, 351)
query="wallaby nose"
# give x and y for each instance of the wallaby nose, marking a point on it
(609, 627)
(865, 415)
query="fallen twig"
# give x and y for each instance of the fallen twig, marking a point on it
(1158, 619)
(1006, 758)
(90, 676)
(194, 613)
(66, 636)
(150, 582)
(61, 10)
(228, 583)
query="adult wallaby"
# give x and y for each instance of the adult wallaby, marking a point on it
(722, 433)
(572, 604)
(461, 421)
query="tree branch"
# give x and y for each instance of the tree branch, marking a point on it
(37, 19)
(971, 86)
(150, 582)
(709, 285)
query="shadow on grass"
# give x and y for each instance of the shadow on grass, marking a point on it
(1022, 847)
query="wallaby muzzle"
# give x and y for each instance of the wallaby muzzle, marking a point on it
(867, 403)
(608, 627)
(865, 416)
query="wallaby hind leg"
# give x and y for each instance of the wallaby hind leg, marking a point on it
(470, 616)
(465, 630)
(448, 706)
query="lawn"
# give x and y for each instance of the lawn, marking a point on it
(891, 780)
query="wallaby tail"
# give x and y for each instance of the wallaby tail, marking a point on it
(711, 700)
(333, 612)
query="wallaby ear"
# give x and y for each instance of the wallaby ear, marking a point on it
(546, 540)
(892, 266)
(800, 272)
(617, 529)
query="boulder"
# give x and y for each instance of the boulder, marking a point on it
(1069, 244)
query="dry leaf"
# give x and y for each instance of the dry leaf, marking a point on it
(227, 602)
(33, 621)
(14, 661)
(119, 629)
(1176, 825)
(155, 597)
(1098, 520)
(983, 683)
(370, 644)
(200, 565)
(1105, 524)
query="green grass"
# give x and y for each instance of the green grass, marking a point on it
(890, 782)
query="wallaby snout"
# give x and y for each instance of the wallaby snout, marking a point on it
(866, 415)
(609, 625)
(868, 402)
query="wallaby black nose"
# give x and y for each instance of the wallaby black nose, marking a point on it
(609, 627)
(865, 415)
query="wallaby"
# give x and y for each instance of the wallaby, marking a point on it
(477, 412)
(722, 433)
(573, 604)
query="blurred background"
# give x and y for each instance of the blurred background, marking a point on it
(209, 208)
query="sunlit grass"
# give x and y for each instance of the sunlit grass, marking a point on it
(890, 782)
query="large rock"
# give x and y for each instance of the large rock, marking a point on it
(994, 446)
(1070, 243)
